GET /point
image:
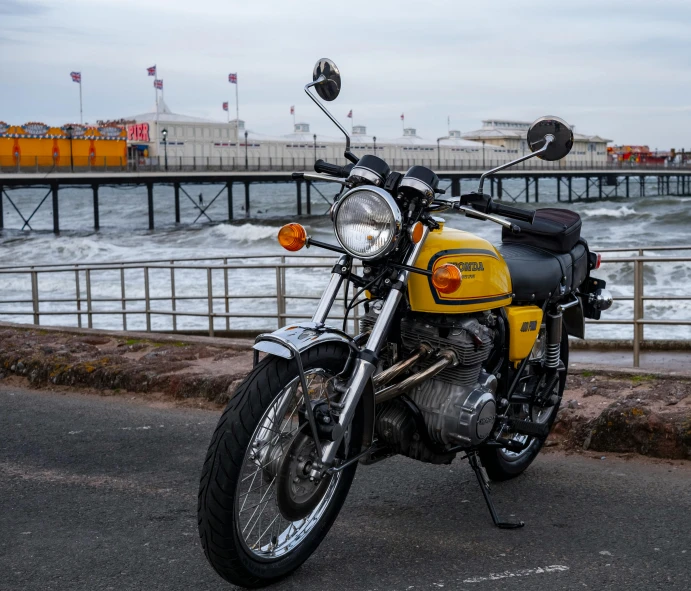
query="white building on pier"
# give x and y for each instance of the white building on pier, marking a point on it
(194, 141)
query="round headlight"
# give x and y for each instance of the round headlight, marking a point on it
(367, 222)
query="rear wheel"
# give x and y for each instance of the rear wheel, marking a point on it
(260, 516)
(503, 464)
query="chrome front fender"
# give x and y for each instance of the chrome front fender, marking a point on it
(300, 337)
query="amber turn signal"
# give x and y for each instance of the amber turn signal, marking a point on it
(416, 232)
(447, 279)
(292, 237)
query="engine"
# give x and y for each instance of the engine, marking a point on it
(454, 407)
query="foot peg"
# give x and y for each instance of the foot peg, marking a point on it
(528, 428)
(483, 481)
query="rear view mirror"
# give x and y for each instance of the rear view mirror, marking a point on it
(330, 86)
(561, 138)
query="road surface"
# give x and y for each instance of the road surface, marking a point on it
(100, 493)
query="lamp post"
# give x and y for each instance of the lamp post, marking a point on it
(70, 133)
(164, 133)
(247, 165)
(315, 147)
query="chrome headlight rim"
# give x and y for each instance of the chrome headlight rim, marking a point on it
(393, 208)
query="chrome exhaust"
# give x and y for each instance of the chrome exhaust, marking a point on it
(390, 374)
(446, 358)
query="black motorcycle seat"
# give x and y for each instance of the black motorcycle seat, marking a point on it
(538, 274)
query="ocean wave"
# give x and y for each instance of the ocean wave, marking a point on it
(619, 212)
(244, 232)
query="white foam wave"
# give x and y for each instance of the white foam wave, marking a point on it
(245, 232)
(619, 212)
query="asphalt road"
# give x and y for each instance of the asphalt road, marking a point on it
(100, 493)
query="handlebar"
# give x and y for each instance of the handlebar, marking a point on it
(516, 213)
(332, 169)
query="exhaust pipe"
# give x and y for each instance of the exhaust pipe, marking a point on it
(446, 358)
(388, 375)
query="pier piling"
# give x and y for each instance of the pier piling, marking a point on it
(308, 196)
(56, 209)
(150, 201)
(455, 187)
(247, 199)
(298, 186)
(570, 191)
(627, 187)
(527, 190)
(97, 221)
(2, 210)
(229, 189)
(500, 189)
(176, 191)
(537, 189)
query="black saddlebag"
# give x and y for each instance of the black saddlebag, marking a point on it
(556, 230)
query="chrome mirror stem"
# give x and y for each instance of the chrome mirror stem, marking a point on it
(348, 154)
(548, 140)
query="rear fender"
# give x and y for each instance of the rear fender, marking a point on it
(301, 337)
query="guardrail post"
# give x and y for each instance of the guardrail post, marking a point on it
(638, 309)
(209, 288)
(79, 297)
(147, 301)
(226, 293)
(34, 296)
(123, 298)
(89, 315)
(172, 296)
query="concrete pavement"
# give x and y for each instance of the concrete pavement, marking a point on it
(100, 493)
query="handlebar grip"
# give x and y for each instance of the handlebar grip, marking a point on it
(332, 169)
(516, 213)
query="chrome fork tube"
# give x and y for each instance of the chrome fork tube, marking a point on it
(365, 365)
(331, 292)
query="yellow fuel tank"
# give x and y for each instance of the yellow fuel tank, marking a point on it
(486, 280)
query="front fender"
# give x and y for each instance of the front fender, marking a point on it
(303, 336)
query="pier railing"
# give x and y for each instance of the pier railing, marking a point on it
(39, 164)
(242, 293)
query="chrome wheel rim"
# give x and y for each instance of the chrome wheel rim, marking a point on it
(262, 529)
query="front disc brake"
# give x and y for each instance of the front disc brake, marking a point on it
(296, 495)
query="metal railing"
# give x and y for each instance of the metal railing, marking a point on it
(41, 164)
(277, 291)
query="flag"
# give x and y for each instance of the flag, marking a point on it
(151, 71)
(76, 77)
(233, 78)
(158, 84)
(350, 114)
(402, 117)
(292, 110)
(225, 106)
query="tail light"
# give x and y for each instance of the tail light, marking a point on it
(594, 259)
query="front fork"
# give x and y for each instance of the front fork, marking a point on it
(366, 363)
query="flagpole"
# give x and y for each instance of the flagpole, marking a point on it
(81, 118)
(237, 120)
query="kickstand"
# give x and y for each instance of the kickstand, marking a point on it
(483, 481)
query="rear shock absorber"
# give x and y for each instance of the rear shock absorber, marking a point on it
(553, 345)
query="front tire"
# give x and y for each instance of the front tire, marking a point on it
(245, 534)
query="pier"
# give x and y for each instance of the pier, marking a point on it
(571, 185)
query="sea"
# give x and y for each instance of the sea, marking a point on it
(621, 223)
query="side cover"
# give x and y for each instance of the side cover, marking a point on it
(486, 281)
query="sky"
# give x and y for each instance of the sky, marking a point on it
(616, 68)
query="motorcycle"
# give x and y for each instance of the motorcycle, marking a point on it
(463, 349)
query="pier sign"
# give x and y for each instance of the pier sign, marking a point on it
(138, 132)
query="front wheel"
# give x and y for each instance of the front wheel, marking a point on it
(260, 517)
